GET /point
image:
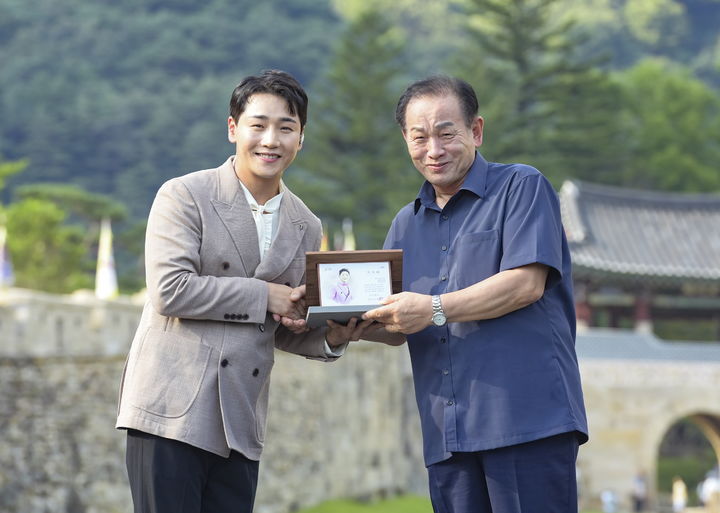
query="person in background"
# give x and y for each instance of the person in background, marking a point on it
(679, 494)
(639, 491)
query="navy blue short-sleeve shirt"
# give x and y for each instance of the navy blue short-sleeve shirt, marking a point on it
(486, 384)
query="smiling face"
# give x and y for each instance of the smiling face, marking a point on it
(344, 276)
(267, 138)
(440, 144)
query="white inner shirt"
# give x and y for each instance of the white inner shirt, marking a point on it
(266, 221)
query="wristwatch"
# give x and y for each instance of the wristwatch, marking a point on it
(438, 316)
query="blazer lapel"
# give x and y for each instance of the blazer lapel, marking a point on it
(235, 214)
(290, 233)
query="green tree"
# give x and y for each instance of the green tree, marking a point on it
(70, 198)
(7, 169)
(46, 254)
(354, 163)
(542, 104)
(53, 232)
(673, 124)
(117, 97)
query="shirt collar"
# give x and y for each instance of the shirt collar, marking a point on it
(475, 182)
(271, 205)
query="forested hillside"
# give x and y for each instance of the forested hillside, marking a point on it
(117, 96)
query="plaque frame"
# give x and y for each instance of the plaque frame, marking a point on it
(317, 315)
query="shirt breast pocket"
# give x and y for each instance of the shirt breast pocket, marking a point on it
(474, 257)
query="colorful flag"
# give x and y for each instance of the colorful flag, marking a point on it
(348, 235)
(105, 277)
(324, 244)
(6, 272)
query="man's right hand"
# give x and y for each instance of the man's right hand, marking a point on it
(282, 302)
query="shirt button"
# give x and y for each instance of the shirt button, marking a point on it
(261, 327)
(445, 372)
(450, 402)
(443, 278)
(445, 217)
(444, 248)
(442, 340)
(224, 363)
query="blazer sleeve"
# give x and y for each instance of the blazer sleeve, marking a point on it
(310, 344)
(172, 266)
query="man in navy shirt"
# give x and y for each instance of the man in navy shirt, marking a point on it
(487, 311)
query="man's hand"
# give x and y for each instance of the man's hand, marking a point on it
(297, 326)
(337, 334)
(407, 313)
(286, 302)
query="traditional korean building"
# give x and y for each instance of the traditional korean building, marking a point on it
(643, 257)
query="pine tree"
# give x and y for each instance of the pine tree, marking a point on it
(542, 105)
(355, 164)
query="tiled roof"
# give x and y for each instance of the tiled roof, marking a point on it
(641, 234)
(629, 345)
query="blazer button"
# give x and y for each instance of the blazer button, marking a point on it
(256, 372)
(245, 317)
(227, 316)
(225, 265)
(261, 327)
(224, 363)
(233, 316)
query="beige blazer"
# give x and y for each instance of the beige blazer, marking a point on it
(199, 366)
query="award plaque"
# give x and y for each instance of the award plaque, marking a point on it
(345, 284)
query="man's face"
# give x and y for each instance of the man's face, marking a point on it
(267, 138)
(440, 144)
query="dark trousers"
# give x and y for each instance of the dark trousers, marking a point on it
(535, 477)
(167, 476)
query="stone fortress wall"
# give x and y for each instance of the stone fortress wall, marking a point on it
(345, 429)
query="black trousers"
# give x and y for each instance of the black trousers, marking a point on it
(167, 476)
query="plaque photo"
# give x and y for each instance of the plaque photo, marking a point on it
(341, 285)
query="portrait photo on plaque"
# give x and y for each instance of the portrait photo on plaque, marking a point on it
(354, 283)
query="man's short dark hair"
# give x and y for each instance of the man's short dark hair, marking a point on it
(274, 82)
(439, 85)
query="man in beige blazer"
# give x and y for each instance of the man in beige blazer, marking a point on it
(225, 263)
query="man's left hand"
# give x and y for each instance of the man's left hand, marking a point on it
(407, 313)
(339, 334)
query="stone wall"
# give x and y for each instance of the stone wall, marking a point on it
(345, 429)
(631, 405)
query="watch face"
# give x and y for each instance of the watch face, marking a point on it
(439, 319)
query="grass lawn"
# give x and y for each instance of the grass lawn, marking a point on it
(405, 504)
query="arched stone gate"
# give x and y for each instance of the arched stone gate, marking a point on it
(636, 387)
